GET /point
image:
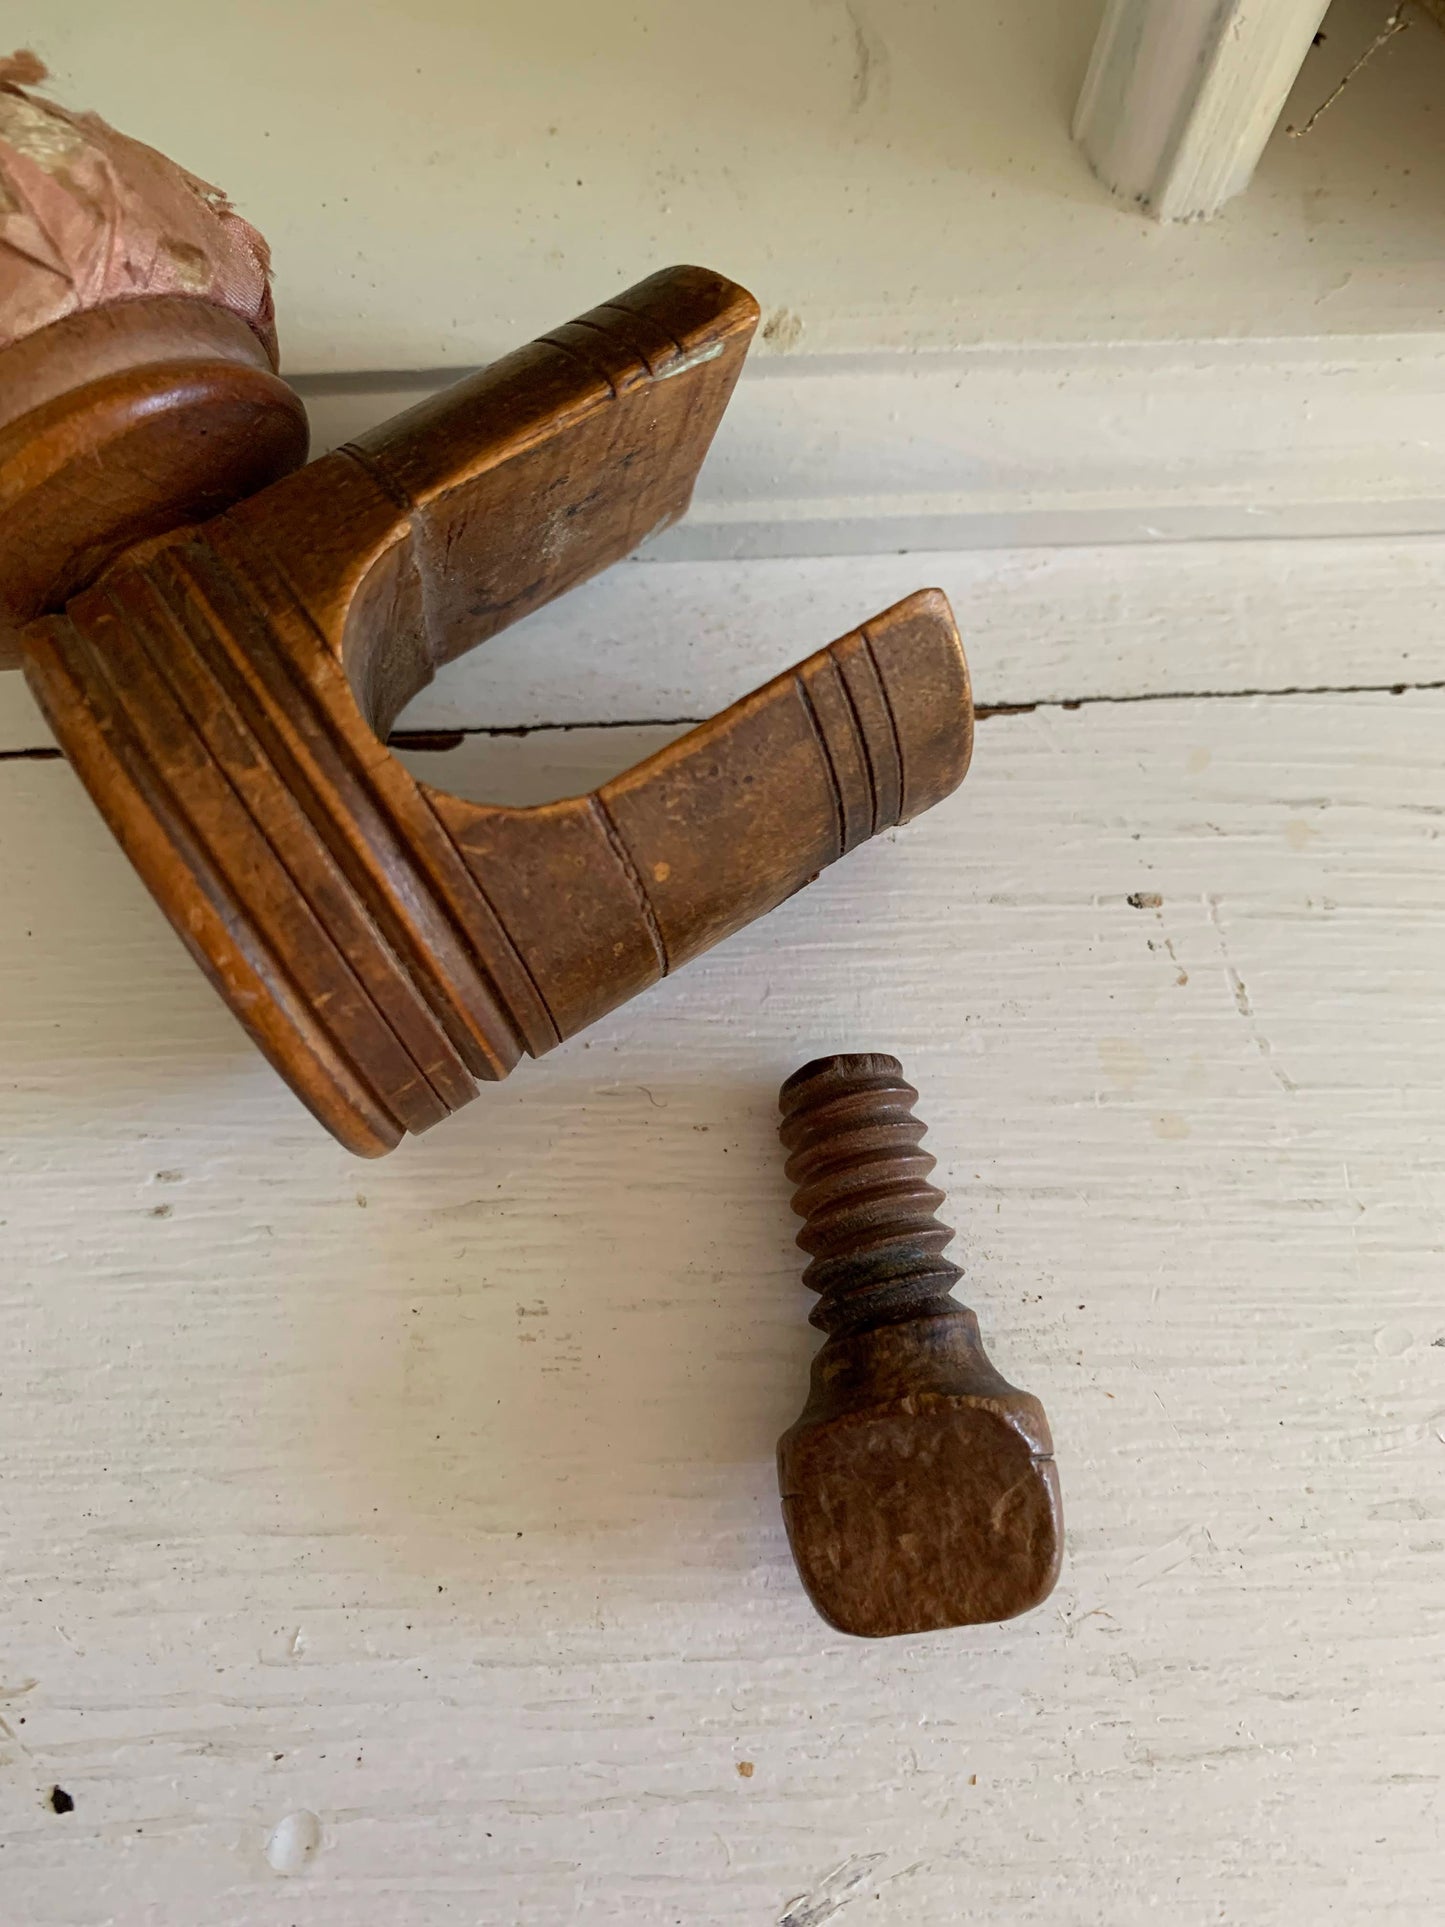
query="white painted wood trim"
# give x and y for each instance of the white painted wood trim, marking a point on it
(892, 176)
(1031, 444)
(400, 1543)
(1181, 96)
(652, 642)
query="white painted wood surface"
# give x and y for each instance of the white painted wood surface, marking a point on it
(966, 340)
(887, 176)
(1181, 96)
(676, 640)
(1012, 445)
(398, 1543)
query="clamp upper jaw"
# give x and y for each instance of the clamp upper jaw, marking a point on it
(224, 683)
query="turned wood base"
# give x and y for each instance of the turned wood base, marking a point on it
(122, 424)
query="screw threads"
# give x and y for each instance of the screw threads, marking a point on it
(854, 1154)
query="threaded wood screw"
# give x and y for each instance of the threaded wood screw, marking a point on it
(919, 1487)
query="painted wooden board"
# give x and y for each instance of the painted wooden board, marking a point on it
(651, 641)
(1179, 100)
(1022, 443)
(887, 176)
(399, 1543)
(966, 340)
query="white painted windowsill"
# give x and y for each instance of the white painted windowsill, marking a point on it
(398, 1545)
(401, 1541)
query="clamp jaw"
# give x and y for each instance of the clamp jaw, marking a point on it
(225, 688)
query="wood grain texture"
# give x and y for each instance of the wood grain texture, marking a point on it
(1168, 979)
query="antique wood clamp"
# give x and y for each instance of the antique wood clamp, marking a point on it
(222, 639)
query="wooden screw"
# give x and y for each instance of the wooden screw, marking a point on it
(919, 1487)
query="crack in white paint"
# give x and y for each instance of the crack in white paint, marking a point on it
(1243, 1003)
(831, 1894)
